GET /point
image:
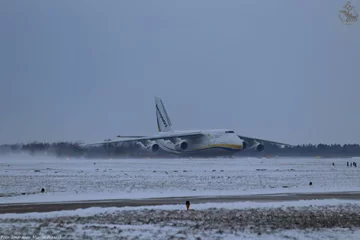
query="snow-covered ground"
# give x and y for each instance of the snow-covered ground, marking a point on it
(23, 176)
(316, 219)
(84, 179)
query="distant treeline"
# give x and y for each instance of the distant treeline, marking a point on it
(69, 149)
(308, 150)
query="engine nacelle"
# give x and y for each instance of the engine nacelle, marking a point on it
(181, 145)
(258, 147)
(151, 146)
(155, 147)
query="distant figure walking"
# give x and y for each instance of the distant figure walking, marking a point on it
(354, 164)
(350, 164)
(347, 164)
(333, 164)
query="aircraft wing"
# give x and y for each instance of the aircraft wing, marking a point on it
(144, 139)
(251, 139)
(118, 136)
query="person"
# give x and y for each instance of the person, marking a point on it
(187, 205)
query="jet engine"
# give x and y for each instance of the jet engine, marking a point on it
(181, 145)
(155, 147)
(258, 147)
(151, 146)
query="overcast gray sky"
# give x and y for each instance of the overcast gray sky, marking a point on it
(89, 70)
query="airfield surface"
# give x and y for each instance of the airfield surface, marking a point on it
(311, 219)
(22, 178)
(144, 198)
(73, 205)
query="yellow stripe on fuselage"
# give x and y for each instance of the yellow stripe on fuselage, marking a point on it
(230, 146)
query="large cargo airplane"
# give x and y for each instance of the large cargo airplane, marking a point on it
(193, 142)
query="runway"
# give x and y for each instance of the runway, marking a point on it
(72, 205)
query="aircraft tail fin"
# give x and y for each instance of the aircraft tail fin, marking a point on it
(162, 118)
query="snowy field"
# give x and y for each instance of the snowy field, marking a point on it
(23, 176)
(315, 219)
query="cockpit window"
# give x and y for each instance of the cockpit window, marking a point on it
(229, 132)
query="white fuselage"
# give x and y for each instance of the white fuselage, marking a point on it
(211, 141)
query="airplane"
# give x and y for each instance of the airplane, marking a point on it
(214, 142)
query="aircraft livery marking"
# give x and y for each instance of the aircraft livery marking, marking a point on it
(162, 118)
